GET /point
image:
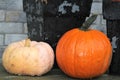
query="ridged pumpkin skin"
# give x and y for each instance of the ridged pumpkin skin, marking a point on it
(84, 54)
(35, 58)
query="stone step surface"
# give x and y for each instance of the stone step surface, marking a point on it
(54, 74)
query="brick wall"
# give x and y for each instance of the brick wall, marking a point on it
(12, 22)
(100, 23)
(13, 26)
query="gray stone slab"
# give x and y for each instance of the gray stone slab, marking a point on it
(2, 15)
(2, 4)
(2, 48)
(9, 38)
(11, 27)
(15, 16)
(96, 8)
(11, 4)
(25, 28)
(1, 39)
(14, 4)
(99, 27)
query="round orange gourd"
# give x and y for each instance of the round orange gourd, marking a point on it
(28, 58)
(83, 53)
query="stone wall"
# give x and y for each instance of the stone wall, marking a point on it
(100, 23)
(12, 22)
(13, 26)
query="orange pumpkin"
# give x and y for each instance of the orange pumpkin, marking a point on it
(84, 53)
(28, 58)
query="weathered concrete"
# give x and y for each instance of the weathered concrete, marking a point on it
(54, 74)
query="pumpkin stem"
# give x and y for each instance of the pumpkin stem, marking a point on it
(27, 43)
(89, 21)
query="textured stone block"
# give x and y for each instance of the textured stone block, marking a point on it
(9, 38)
(99, 27)
(1, 39)
(11, 27)
(2, 4)
(15, 16)
(2, 15)
(11, 4)
(2, 48)
(14, 4)
(96, 8)
(25, 28)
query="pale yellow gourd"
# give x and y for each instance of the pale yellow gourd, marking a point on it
(28, 58)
